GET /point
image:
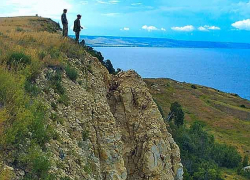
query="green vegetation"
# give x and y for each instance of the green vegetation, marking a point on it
(18, 59)
(200, 155)
(27, 130)
(107, 63)
(64, 99)
(71, 73)
(245, 161)
(221, 112)
(25, 50)
(221, 118)
(109, 66)
(193, 86)
(177, 114)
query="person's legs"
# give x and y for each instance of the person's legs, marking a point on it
(65, 30)
(77, 36)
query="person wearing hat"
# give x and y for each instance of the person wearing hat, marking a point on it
(64, 23)
(77, 27)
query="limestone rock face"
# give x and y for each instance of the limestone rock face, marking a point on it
(149, 151)
(109, 129)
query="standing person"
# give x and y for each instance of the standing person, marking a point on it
(64, 23)
(77, 27)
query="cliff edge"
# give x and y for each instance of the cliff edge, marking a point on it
(107, 127)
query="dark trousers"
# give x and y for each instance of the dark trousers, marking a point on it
(65, 30)
(77, 36)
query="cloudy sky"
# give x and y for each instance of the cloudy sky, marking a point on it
(215, 20)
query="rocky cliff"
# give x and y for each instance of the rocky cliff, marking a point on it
(111, 128)
(107, 127)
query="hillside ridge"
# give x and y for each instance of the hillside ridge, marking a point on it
(72, 119)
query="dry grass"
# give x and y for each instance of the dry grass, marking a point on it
(32, 35)
(225, 119)
(221, 112)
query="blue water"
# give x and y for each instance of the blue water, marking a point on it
(225, 69)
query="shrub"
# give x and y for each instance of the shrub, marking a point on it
(71, 73)
(193, 86)
(177, 114)
(38, 163)
(242, 106)
(200, 155)
(16, 59)
(55, 81)
(226, 156)
(18, 29)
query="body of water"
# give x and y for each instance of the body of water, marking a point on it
(225, 69)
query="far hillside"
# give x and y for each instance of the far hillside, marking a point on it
(226, 116)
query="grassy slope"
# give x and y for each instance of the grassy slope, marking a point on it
(39, 39)
(225, 119)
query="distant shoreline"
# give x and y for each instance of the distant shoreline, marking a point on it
(112, 41)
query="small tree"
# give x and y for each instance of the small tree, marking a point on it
(176, 113)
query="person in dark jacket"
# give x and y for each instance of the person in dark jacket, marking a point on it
(77, 27)
(64, 23)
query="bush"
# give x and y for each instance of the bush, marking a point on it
(177, 114)
(71, 73)
(55, 81)
(37, 162)
(193, 86)
(18, 29)
(242, 106)
(226, 156)
(16, 59)
(200, 155)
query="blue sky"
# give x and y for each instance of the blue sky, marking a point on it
(204, 20)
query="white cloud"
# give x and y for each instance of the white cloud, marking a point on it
(213, 28)
(201, 28)
(152, 28)
(242, 25)
(149, 28)
(111, 14)
(45, 8)
(207, 28)
(125, 29)
(187, 28)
